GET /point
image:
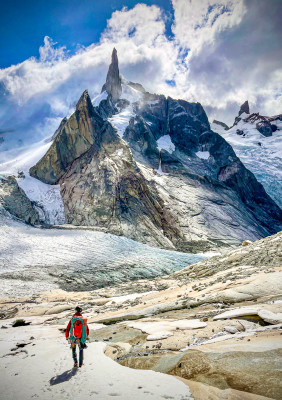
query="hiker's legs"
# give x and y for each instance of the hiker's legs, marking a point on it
(80, 356)
(73, 347)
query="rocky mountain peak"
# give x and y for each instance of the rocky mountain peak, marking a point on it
(113, 80)
(84, 102)
(244, 108)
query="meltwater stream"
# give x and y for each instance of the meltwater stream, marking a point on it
(34, 259)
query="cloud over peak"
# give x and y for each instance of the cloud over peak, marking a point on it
(220, 54)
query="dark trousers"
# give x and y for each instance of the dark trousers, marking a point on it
(74, 356)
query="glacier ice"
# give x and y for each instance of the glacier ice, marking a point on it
(77, 259)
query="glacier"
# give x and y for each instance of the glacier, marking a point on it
(35, 259)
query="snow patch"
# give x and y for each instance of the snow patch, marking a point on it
(165, 143)
(121, 121)
(47, 197)
(119, 152)
(133, 296)
(97, 100)
(163, 329)
(204, 155)
(160, 171)
(159, 336)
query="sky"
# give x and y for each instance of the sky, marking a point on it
(219, 53)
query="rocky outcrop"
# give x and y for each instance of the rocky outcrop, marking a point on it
(77, 135)
(222, 124)
(15, 201)
(244, 108)
(113, 80)
(265, 128)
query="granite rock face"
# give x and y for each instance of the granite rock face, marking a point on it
(113, 81)
(169, 181)
(14, 200)
(76, 136)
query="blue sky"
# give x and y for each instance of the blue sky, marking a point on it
(216, 52)
(70, 23)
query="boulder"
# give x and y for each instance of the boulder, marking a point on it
(246, 242)
(270, 317)
(231, 329)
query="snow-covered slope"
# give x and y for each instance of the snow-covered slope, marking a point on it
(46, 198)
(262, 155)
(43, 370)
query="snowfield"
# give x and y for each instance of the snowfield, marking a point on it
(43, 370)
(261, 155)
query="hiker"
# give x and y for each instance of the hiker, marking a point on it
(77, 333)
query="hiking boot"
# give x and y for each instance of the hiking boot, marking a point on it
(75, 365)
(81, 365)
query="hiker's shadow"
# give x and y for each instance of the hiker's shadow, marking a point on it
(64, 377)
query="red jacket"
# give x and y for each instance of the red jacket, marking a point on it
(67, 332)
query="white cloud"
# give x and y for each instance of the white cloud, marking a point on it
(214, 73)
(198, 22)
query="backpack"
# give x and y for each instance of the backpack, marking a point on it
(78, 330)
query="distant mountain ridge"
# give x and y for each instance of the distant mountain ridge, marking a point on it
(256, 140)
(150, 168)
